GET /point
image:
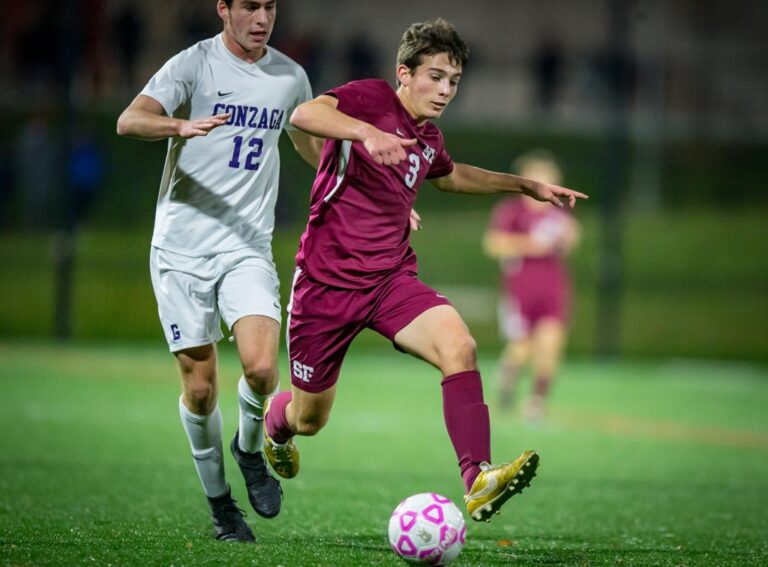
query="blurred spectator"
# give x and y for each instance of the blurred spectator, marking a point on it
(92, 23)
(35, 169)
(547, 69)
(306, 48)
(613, 74)
(34, 67)
(361, 57)
(195, 18)
(531, 240)
(128, 30)
(85, 169)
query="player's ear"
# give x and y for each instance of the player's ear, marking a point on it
(403, 75)
(222, 10)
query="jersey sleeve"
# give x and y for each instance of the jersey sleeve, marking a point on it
(304, 94)
(173, 84)
(364, 100)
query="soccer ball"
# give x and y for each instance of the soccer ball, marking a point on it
(427, 529)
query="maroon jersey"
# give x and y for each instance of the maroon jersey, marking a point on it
(537, 286)
(547, 225)
(358, 232)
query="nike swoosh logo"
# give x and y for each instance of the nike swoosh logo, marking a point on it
(489, 488)
(225, 94)
(399, 133)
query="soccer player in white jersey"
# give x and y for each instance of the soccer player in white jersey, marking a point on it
(222, 104)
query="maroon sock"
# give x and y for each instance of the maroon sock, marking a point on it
(467, 421)
(276, 422)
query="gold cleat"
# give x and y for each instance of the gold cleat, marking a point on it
(498, 483)
(284, 459)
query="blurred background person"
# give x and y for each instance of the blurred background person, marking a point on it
(531, 242)
(128, 31)
(86, 169)
(37, 151)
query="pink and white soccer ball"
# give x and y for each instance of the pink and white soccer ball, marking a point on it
(427, 529)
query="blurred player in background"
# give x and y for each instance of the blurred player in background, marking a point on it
(356, 269)
(531, 242)
(222, 104)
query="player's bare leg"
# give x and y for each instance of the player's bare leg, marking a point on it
(547, 343)
(200, 388)
(293, 413)
(201, 418)
(257, 340)
(440, 337)
(511, 361)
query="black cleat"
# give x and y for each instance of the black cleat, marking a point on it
(228, 522)
(264, 492)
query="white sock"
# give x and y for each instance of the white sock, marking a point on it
(204, 434)
(251, 437)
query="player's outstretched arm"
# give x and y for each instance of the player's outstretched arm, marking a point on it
(470, 179)
(320, 117)
(145, 119)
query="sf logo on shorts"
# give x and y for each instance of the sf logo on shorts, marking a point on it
(302, 371)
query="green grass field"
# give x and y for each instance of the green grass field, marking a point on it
(696, 282)
(642, 464)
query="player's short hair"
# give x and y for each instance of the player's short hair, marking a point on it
(430, 38)
(533, 156)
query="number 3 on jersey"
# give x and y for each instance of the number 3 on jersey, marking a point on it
(257, 145)
(413, 171)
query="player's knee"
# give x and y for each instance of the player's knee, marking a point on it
(200, 397)
(261, 377)
(460, 351)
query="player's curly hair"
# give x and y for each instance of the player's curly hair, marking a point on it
(430, 38)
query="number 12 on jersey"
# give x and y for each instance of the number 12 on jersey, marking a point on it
(256, 145)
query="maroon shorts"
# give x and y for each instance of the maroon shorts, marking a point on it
(323, 320)
(533, 294)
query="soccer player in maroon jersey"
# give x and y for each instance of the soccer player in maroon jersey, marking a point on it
(356, 269)
(531, 240)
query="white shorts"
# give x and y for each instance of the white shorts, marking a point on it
(195, 293)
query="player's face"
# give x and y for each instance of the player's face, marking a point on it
(428, 89)
(247, 26)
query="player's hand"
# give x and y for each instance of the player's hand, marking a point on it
(555, 194)
(387, 149)
(415, 220)
(201, 126)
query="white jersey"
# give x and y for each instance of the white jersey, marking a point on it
(218, 192)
